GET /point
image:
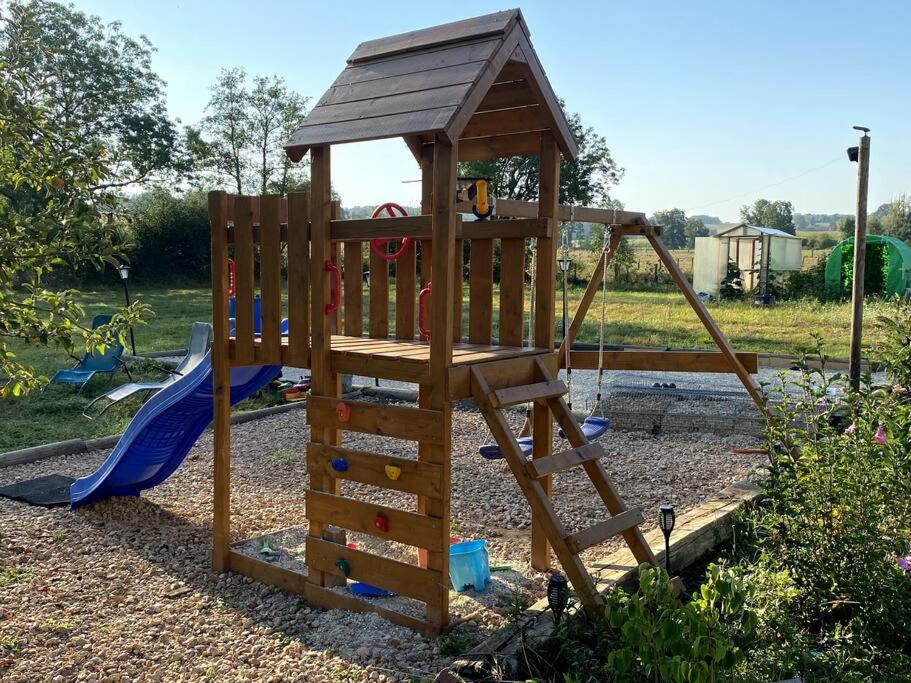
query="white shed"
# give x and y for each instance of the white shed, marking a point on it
(757, 251)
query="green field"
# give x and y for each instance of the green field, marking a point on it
(660, 319)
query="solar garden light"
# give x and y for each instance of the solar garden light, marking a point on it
(124, 271)
(666, 520)
(557, 595)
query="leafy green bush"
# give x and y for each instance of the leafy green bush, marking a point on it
(732, 284)
(171, 236)
(799, 284)
(652, 636)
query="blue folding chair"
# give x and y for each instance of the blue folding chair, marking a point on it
(94, 362)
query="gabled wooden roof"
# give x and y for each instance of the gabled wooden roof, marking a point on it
(477, 81)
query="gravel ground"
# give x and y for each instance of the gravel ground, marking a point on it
(122, 590)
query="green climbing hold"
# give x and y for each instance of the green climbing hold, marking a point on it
(343, 565)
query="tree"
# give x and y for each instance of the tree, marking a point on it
(846, 226)
(707, 220)
(897, 221)
(57, 167)
(692, 229)
(240, 141)
(93, 81)
(587, 180)
(673, 224)
(763, 213)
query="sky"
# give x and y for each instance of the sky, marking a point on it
(707, 105)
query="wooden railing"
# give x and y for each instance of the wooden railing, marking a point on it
(268, 238)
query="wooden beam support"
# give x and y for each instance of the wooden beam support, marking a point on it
(663, 361)
(546, 255)
(421, 227)
(324, 380)
(221, 384)
(442, 175)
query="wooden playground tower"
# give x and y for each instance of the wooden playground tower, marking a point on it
(468, 90)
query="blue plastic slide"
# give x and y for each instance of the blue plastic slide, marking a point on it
(163, 431)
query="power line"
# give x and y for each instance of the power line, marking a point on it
(766, 187)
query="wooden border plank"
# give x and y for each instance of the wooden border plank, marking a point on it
(405, 294)
(664, 361)
(512, 292)
(415, 424)
(270, 279)
(356, 515)
(378, 322)
(369, 468)
(480, 292)
(243, 293)
(329, 599)
(405, 579)
(354, 289)
(299, 278)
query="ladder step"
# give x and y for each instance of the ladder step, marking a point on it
(563, 460)
(602, 531)
(510, 396)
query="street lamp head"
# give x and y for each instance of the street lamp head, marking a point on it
(564, 263)
(863, 129)
(124, 271)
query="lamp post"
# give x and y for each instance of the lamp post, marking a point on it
(860, 155)
(124, 271)
(666, 521)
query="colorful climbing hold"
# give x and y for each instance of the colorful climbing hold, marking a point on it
(343, 411)
(381, 521)
(393, 472)
(343, 566)
(339, 464)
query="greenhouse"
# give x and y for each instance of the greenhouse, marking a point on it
(756, 251)
(887, 266)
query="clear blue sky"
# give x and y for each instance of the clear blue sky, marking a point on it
(708, 105)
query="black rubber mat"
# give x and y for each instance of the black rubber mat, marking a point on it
(48, 491)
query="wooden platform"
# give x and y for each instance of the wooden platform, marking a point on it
(398, 359)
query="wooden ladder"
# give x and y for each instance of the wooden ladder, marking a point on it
(548, 391)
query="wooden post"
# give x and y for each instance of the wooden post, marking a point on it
(545, 296)
(221, 384)
(860, 252)
(324, 381)
(435, 395)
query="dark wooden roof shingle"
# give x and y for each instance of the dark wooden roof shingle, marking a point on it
(422, 83)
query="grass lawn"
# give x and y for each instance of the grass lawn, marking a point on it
(634, 318)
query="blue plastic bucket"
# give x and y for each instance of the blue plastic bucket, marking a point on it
(469, 565)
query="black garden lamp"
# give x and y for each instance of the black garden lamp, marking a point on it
(666, 520)
(565, 263)
(124, 271)
(557, 595)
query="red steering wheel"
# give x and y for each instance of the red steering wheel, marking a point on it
(379, 245)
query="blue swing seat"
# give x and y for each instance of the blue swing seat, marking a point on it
(592, 427)
(492, 451)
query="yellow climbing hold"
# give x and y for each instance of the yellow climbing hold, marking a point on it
(393, 472)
